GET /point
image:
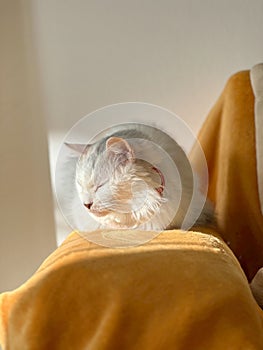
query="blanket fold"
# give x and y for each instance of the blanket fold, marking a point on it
(179, 291)
(228, 140)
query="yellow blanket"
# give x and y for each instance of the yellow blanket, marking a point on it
(180, 291)
(228, 140)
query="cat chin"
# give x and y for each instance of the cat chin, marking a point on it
(98, 214)
(115, 220)
(119, 221)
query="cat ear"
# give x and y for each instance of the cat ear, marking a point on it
(77, 147)
(121, 148)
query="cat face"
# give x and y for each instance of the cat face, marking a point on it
(116, 189)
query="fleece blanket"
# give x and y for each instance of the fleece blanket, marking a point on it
(232, 140)
(182, 290)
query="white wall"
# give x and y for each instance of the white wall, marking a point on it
(173, 53)
(176, 54)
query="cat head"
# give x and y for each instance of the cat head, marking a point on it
(117, 189)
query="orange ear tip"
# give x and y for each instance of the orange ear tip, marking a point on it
(119, 145)
(112, 140)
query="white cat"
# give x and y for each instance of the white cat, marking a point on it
(121, 190)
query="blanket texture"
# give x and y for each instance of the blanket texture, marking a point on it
(228, 140)
(179, 291)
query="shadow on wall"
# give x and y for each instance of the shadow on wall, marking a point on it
(27, 226)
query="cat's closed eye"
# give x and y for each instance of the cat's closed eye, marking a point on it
(99, 186)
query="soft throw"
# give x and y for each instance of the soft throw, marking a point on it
(182, 290)
(228, 138)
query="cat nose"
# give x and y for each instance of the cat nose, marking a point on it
(88, 205)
